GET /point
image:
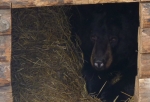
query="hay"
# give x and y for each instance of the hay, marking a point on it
(46, 64)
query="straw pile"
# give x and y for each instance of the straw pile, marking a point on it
(46, 64)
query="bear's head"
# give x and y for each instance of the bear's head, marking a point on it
(109, 35)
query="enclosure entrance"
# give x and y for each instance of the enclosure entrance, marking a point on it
(6, 23)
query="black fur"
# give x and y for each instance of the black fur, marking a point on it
(109, 38)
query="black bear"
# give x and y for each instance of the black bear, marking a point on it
(110, 59)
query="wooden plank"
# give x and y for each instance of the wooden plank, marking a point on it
(144, 0)
(5, 19)
(145, 15)
(144, 65)
(5, 5)
(97, 1)
(37, 3)
(5, 53)
(144, 90)
(4, 90)
(5, 60)
(144, 40)
(5, 76)
(5, 48)
(139, 47)
(6, 97)
(5, 72)
(136, 90)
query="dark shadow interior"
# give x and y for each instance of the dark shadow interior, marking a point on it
(91, 23)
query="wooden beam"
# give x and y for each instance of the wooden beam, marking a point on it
(37, 3)
(136, 90)
(144, 65)
(5, 53)
(145, 0)
(145, 15)
(144, 40)
(6, 93)
(5, 18)
(144, 53)
(144, 90)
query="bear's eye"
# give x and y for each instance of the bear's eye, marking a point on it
(113, 39)
(93, 38)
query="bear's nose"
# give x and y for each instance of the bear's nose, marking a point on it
(99, 64)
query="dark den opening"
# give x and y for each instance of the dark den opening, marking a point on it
(108, 34)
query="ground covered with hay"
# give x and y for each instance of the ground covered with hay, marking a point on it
(46, 64)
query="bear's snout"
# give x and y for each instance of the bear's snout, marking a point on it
(101, 57)
(99, 64)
